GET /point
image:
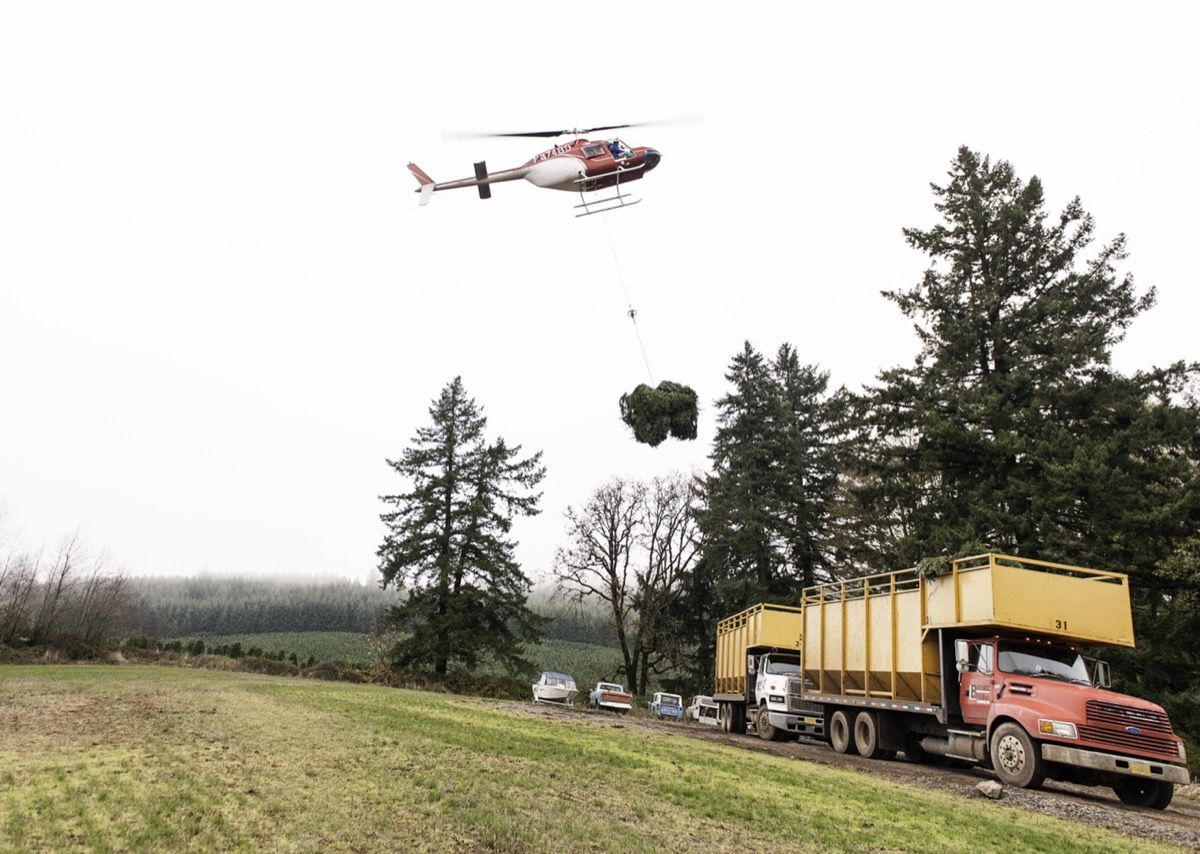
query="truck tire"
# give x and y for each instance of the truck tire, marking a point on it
(739, 719)
(1145, 793)
(840, 735)
(762, 723)
(1016, 757)
(866, 736)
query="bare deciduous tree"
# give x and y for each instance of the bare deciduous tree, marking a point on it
(629, 546)
(75, 597)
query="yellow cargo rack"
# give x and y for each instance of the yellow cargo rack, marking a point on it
(758, 626)
(871, 636)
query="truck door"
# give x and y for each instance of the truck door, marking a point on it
(976, 681)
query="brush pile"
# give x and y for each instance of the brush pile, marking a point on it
(656, 413)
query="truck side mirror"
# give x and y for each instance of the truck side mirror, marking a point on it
(961, 662)
(1102, 674)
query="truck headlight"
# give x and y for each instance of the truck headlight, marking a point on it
(1182, 752)
(1060, 728)
(776, 698)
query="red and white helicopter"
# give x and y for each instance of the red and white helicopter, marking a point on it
(580, 166)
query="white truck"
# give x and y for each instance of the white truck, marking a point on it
(611, 696)
(759, 683)
(702, 710)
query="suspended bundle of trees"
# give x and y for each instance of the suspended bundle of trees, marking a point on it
(656, 413)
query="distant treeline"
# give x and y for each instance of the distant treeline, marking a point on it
(171, 607)
(181, 607)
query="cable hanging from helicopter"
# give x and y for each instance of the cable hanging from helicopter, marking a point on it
(652, 413)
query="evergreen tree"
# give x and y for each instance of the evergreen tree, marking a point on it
(448, 543)
(1012, 428)
(767, 507)
(766, 513)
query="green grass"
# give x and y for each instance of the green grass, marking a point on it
(155, 758)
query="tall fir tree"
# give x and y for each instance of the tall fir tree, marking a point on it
(767, 506)
(1012, 428)
(448, 546)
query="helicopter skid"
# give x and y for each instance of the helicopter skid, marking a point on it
(590, 208)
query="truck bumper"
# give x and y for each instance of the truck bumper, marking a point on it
(787, 722)
(1114, 764)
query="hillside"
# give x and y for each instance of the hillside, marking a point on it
(109, 758)
(588, 663)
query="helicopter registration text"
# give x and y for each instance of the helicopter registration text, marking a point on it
(558, 149)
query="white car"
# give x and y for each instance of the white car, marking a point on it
(555, 687)
(703, 709)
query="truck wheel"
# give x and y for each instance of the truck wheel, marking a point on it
(1145, 793)
(839, 731)
(1017, 758)
(762, 723)
(739, 719)
(866, 736)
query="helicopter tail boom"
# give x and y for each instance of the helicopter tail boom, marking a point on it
(481, 181)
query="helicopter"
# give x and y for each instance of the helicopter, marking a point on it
(580, 166)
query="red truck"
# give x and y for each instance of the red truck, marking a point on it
(981, 664)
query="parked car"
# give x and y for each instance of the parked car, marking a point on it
(610, 695)
(667, 706)
(703, 710)
(555, 687)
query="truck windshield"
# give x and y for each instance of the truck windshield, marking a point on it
(784, 666)
(1062, 664)
(671, 700)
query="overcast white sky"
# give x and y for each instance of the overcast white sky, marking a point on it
(221, 308)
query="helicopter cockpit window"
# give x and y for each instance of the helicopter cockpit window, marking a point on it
(618, 149)
(593, 149)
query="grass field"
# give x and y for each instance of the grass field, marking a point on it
(588, 663)
(116, 758)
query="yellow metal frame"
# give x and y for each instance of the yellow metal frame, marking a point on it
(885, 649)
(763, 625)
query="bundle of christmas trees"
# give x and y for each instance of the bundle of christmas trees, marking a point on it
(655, 413)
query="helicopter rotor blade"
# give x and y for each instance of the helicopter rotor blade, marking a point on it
(550, 134)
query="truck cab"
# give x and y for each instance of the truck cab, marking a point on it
(1046, 711)
(759, 681)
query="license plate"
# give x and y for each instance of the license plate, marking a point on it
(811, 721)
(1139, 768)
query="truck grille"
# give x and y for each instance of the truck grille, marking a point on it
(1112, 714)
(1129, 741)
(1128, 728)
(797, 705)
